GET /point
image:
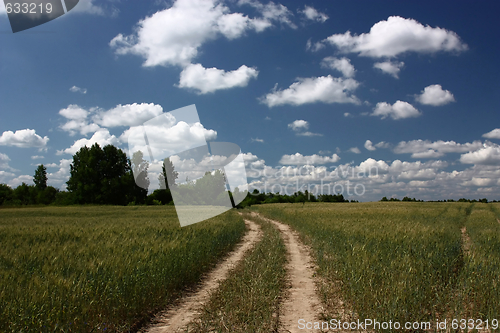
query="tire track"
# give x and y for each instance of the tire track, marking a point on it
(302, 301)
(176, 318)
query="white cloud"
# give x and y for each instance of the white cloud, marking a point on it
(101, 137)
(494, 134)
(4, 163)
(355, 150)
(343, 65)
(77, 120)
(270, 12)
(313, 14)
(25, 138)
(369, 145)
(435, 95)
(127, 115)
(326, 89)
(298, 125)
(37, 157)
(19, 180)
(168, 139)
(395, 36)
(208, 80)
(383, 144)
(389, 67)
(398, 110)
(257, 140)
(74, 112)
(429, 149)
(5, 176)
(83, 121)
(77, 89)
(489, 154)
(299, 159)
(174, 35)
(59, 178)
(307, 133)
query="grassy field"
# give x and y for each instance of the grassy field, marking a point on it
(402, 261)
(97, 268)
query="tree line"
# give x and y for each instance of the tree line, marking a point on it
(105, 176)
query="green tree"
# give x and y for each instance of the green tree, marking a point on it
(101, 176)
(168, 176)
(25, 194)
(40, 177)
(5, 193)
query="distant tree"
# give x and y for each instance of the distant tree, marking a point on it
(5, 193)
(384, 199)
(101, 176)
(168, 175)
(25, 194)
(140, 169)
(40, 177)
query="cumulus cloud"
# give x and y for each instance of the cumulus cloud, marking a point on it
(102, 137)
(298, 125)
(398, 110)
(355, 150)
(83, 121)
(208, 80)
(325, 89)
(395, 36)
(489, 154)
(343, 65)
(59, 178)
(313, 14)
(299, 159)
(19, 180)
(300, 128)
(4, 163)
(25, 138)
(37, 157)
(435, 95)
(494, 134)
(174, 35)
(369, 145)
(78, 89)
(389, 67)
(429, 149)
(127, 115)
(168, 139)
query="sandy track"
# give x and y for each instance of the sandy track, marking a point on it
(177, 317)
(302, 301)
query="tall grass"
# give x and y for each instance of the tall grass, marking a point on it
(393, 261)
(88, 269)
(480, 283)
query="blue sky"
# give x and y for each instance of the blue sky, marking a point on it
(389, 98)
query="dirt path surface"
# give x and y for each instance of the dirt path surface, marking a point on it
(302, 301)
(466, 241)
(176, 318)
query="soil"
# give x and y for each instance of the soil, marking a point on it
(178, 316)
